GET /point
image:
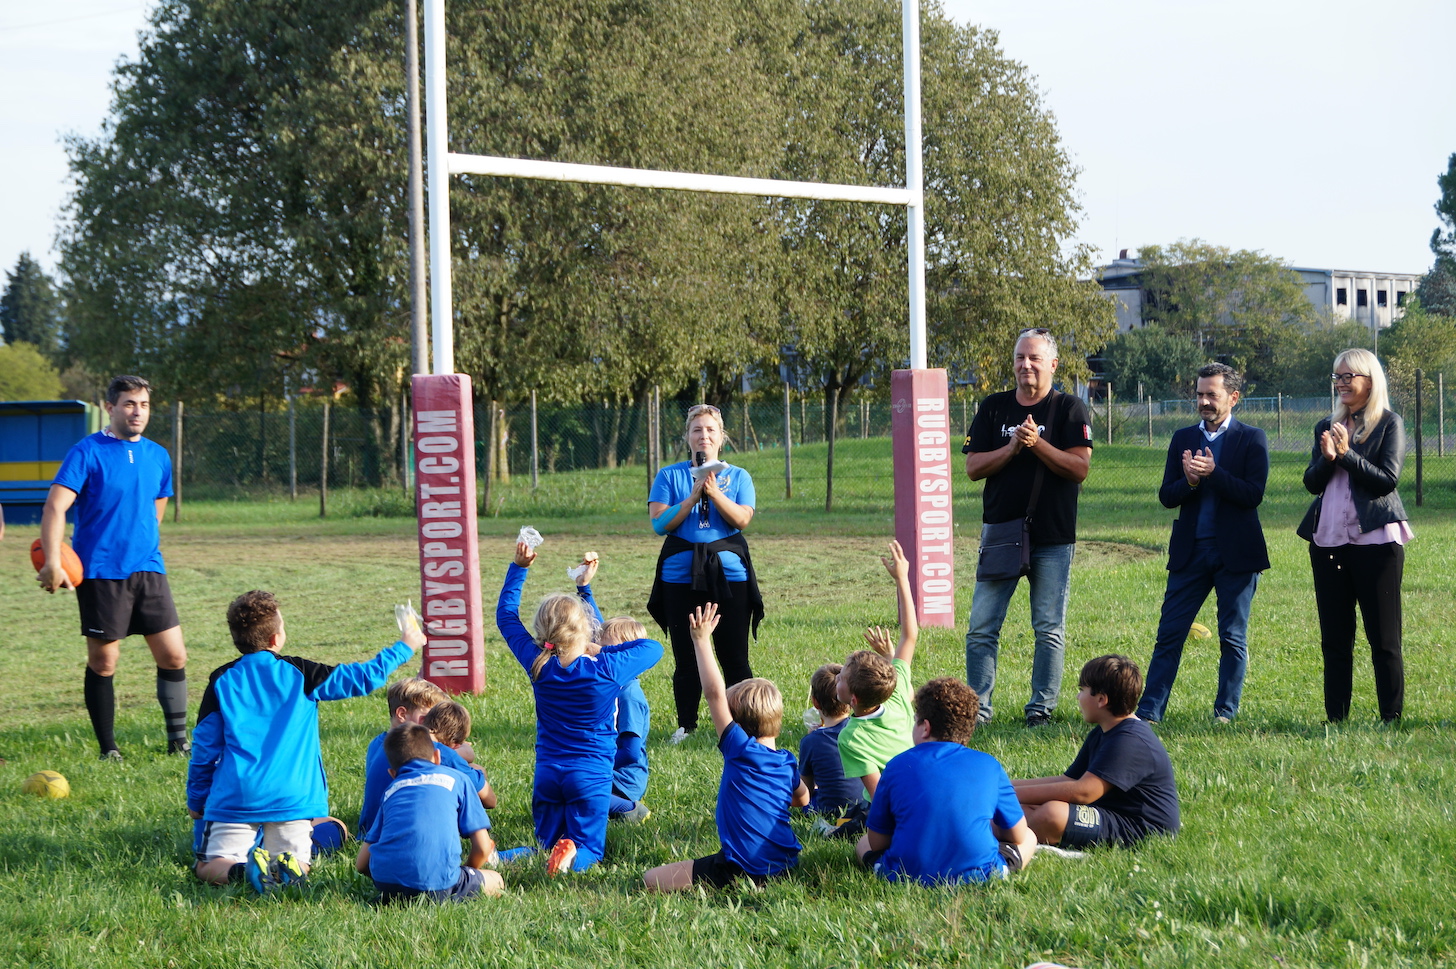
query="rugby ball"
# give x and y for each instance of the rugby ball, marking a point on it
(1199, 631)
(46, 783)
(70, 561)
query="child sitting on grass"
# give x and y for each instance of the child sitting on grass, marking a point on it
(413, 848)
(255, 749)
(832, 796)
(944, 813)
(759, 780)
(576, 700)
(877, 689)
(633, 715)
(410, 701)
(1120, 787)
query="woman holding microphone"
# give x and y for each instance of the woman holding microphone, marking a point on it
(704, 559)
(1357, 531)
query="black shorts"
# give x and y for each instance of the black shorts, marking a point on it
(1086, 826)
(716, 870)
(467, 886)
(138, 605)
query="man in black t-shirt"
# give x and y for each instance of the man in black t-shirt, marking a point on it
(1014, 434)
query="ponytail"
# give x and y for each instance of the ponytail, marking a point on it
(562, 629)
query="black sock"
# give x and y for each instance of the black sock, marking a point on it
(238, 873)
(100, 695)
(172, 695)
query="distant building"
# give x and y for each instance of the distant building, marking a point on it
(1375, 299)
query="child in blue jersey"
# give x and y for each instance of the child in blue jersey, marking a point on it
(944, 813)
(410, 701)
(831, 795)
(759, 782)
(255, 749)
(413, 848)
(576, 700)
(633, 717)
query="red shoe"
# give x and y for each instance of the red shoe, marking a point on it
(562, 855)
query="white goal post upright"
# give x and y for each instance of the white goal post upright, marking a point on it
(919, 398)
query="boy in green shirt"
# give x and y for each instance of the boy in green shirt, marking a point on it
(877, 689)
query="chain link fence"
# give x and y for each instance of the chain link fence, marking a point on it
(289, 452)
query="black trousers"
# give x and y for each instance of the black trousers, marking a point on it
(1368, 576)
(730, 642)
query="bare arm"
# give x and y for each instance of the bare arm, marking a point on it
(52, 533)
(1084, 790)
(361, 863)
(481, 846)
(736, 515)
(1072, 464)
(1019, 835)
(876, 840)
(161, 509)
(899, 569)
(685, 507)
(870, 782)
(702, 623)
(801, 795)
(983, 464)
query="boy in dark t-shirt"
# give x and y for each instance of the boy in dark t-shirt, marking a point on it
(1120, 788)
(831, 795)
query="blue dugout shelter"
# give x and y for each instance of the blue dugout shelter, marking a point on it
(34, 437)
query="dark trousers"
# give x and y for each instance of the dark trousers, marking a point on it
(730, 642)
(1368, 576)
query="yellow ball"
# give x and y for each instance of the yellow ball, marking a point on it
(46, 783)
(1199, 631)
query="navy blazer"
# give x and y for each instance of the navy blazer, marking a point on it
(1237, 485)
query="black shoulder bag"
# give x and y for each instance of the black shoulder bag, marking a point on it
(1006, 546)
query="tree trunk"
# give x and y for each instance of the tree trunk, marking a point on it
(831, 415)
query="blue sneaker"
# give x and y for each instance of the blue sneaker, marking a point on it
(259, 870)
(287, 871)
(516, 854)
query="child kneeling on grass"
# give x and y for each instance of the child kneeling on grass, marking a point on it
(759, 780)
(255, 749)
(944, 813)
(1120, 787)
(413, 849)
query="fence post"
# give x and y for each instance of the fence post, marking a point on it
(535, 447)
(176, 460)
(788, 446)
(1150, 420)
(292, 449)
(404, 445)
(1279, 405)
(1420, 449)
(1440, 415)
(1109, 412)
(324, 465)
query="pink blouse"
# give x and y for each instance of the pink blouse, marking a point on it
(1339, 525)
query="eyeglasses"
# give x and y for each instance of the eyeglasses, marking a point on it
(1034, 331)
(1345, 378)
(697, 409)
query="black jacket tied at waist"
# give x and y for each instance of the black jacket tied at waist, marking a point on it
(707, 575)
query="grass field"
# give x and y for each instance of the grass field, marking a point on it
(1303, 846)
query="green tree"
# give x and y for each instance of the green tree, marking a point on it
(1241, 307)
(25, 374)
(1164, 364)
(1437, 291)
(30, 310)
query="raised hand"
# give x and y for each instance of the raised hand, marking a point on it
(525, 555)
(880, 640)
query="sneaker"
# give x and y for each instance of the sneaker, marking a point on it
(112, 754)
(639, 813)
(1223, 719)
(1060, 852)
(1038, 719)
(679, 735)
(516, 854)
(182, 747)
(259, 870)
(286, 869)
(824, 827)
(561, 857)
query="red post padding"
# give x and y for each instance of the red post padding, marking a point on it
(925, 463)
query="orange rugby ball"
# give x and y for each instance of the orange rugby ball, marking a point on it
(70, 561)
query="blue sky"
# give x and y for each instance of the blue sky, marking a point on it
(1312, 132)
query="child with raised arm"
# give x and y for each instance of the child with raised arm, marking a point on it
(576, 699)
(1120, 787)
(255, 750)
(759, 780)
(410, 700)
(944, 813)
(877, 688)
(413, 847)
(633, 716)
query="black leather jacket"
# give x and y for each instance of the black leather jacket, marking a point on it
(1374, 469)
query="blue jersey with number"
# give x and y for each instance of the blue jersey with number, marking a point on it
(117, 484)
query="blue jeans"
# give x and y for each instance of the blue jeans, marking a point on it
(1049, 581)
(1187, 590)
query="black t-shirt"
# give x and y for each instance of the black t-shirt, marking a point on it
(1142, 797)
(1065, 423)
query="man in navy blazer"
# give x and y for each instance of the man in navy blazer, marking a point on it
(1215, 476)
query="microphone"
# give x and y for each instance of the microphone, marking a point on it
(700, 458)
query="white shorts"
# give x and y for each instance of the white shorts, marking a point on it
(233, 839)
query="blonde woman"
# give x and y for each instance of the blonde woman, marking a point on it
(1357, 530)
(704, 559)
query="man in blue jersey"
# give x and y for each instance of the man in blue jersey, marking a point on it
(119, 483)
(256, 760)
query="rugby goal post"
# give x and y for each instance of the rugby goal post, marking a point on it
(444, 441)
